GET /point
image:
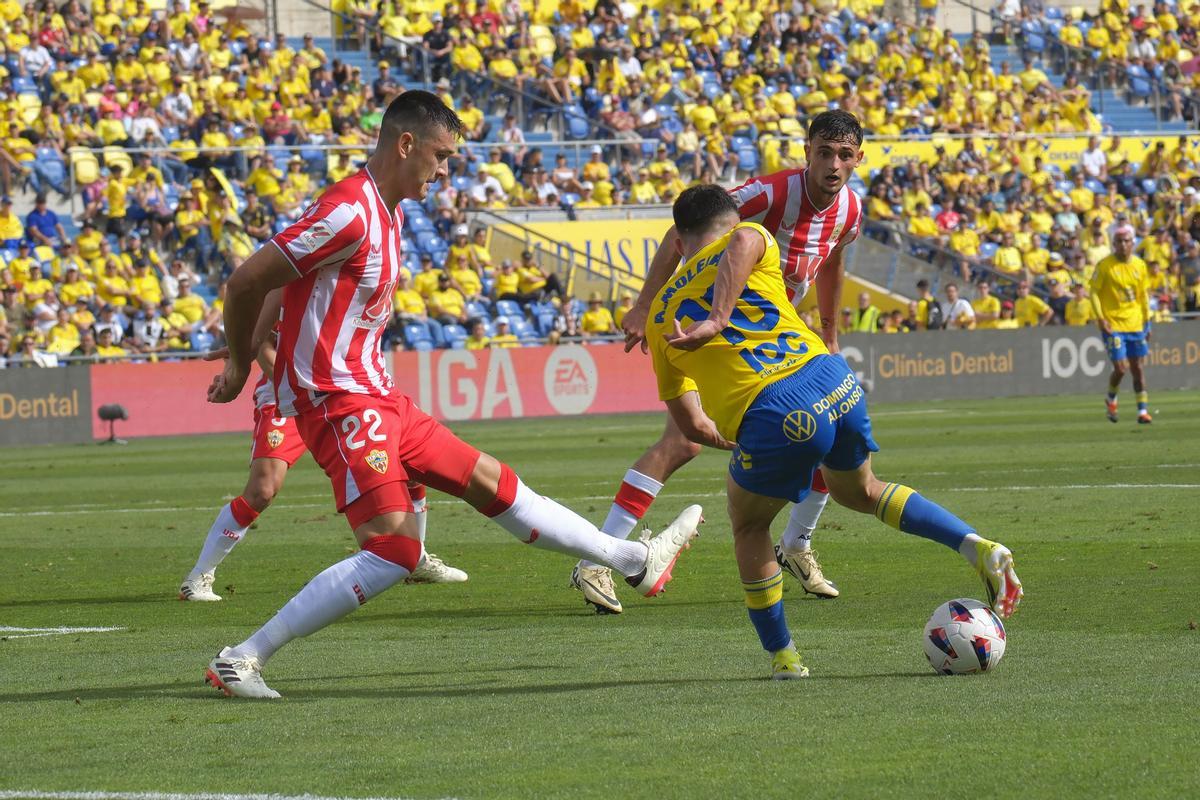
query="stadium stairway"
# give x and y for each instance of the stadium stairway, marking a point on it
(1111, 105)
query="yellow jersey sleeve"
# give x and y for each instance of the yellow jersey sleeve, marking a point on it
(764, 342)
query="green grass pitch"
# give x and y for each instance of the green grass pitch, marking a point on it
(509, 687)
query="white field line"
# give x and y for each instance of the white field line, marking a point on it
(10, 632)
(328, 504)
(32, 794)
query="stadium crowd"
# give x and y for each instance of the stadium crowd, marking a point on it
(191, 141)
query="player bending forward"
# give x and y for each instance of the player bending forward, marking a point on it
(338, 264)
(813, 215)
(775, 395)
(1122, 308)
(275, 447)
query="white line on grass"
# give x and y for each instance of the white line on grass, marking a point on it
(566, 495)
(8, 794)
(10, 632)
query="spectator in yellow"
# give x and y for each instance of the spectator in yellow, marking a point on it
(1030, 310)
(986, 306)
(146, 289)
(22, 263)
(446, 304)
(923, 225)
(1083, 199)
(642, 192)
(597, 320)
(465, 278)
(496, 167)
(596, 169)
(190, 305)
(11, 229)
(964, 240)
(74, 288)
(504, 336)
(425, 282)
(63, 337)
(113, 289)
(116, 192)
(105, 347)
(1079, 310)
(478, 340)
(34, 289)
(866, 316)
(1008, 259)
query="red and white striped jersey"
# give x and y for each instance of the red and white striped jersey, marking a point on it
(264, 392)
(806, 234)
(346, 248)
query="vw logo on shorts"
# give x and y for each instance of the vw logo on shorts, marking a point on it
(799, 426)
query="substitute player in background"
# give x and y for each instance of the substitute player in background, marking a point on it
(276, 445)
(338, 266)
(770, 390)
(1122, 307)
(813, 215)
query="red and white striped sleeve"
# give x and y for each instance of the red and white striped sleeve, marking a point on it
(327, 234)
(753, 199)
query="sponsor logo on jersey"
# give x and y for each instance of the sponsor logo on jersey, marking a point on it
(378, 313)
(228, 534)
(274, 438)
(799, 426)
(358, 592)
(378, 461)
(311, 240)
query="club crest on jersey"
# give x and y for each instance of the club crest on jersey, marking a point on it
(799, 426)
(274, 438)
(312, 239)
(378, 461)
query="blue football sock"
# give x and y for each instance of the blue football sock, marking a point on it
(902, 508)
(764, 601)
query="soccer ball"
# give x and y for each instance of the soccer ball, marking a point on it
(963, 636)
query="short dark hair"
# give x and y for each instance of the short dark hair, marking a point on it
(419, 113)
(836, 126)
(698, 207)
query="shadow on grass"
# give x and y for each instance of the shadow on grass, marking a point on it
(559, 610)
(485, 688)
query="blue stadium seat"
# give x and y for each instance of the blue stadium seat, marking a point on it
(414, 334)
(987, 250)
(475, 309)
(423, 345)
(418, 223)
(578, 127)
(545, 322)
(509, 308)
(748, 159)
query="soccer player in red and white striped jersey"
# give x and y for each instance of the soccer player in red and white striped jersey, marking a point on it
(813, 215)
(337, 266)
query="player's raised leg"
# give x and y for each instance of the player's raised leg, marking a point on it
(640, 486)
(762, 578)
(902, 508)
(794, 551)
(232, 524)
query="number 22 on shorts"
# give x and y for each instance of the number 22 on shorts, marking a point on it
(352, 426)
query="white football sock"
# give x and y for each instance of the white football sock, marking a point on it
(327, 598)
(421, 508)
(544, 523)
(633, 499)
(222, 537)
(966, 548)
(802, 521)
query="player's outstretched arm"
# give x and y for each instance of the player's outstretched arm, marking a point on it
(249, 285)
(691, 420)
(662, 266)
(830, 278)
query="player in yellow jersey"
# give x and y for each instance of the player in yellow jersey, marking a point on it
(1122, 308)
(740, 371)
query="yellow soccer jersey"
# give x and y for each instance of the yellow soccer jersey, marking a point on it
(764, 342)
(1118, 292)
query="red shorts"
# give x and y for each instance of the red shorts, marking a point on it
(370, 447)
(276, 437)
